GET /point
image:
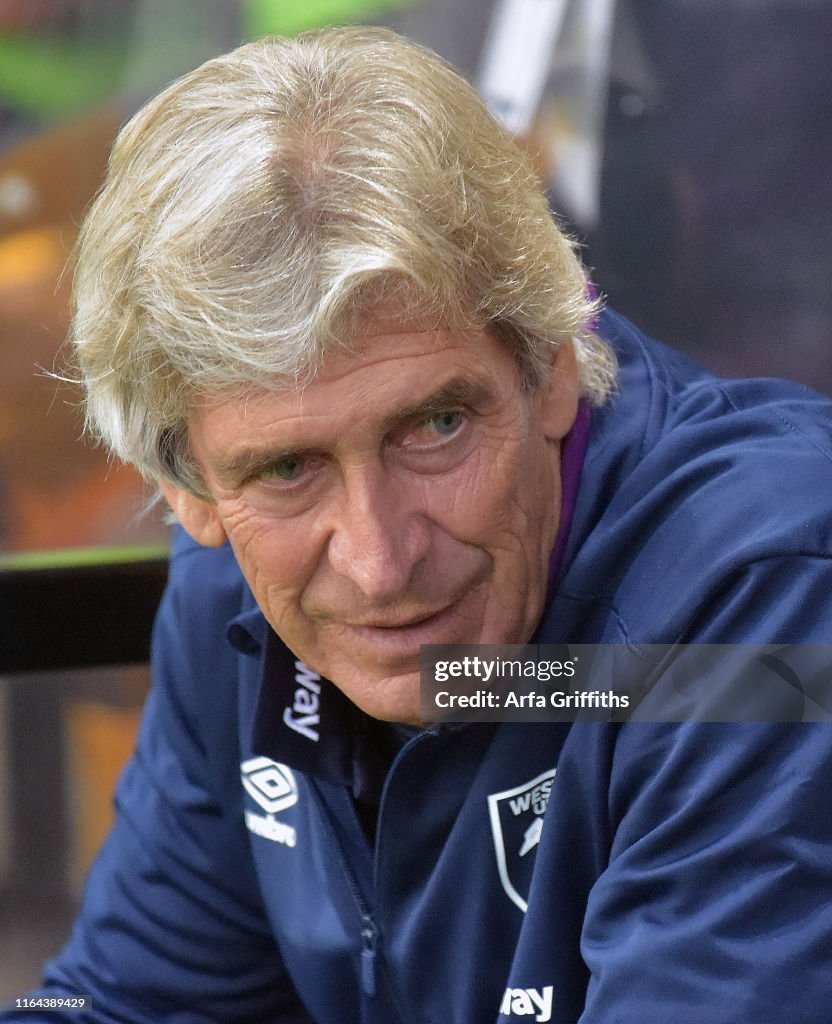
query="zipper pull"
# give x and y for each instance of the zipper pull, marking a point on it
(369, 944)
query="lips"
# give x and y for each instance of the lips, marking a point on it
(402, 639)
(416, 620)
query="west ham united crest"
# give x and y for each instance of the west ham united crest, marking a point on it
(516, 824)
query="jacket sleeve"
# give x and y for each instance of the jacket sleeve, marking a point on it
(171, 926)
(714, 904)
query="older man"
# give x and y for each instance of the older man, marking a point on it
(321, 301)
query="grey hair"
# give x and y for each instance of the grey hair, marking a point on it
(264, 204)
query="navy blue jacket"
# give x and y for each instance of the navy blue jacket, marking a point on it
(602, 873)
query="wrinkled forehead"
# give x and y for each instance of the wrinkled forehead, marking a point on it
(379, 338)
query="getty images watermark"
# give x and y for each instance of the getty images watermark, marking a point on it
(620, 682)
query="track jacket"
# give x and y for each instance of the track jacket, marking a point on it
(593, 873)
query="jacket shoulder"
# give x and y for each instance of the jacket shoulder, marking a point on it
(693, 485)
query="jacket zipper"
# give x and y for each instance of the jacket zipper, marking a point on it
(369, 939)
(369, 929)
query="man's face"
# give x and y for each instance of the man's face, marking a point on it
(409, 495)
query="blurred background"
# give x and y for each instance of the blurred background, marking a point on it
(686, 142)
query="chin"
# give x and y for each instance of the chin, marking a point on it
(391, 699)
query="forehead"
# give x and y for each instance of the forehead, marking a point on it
(388, 370)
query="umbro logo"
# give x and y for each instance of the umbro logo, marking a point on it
(272, 785)
(273, 788)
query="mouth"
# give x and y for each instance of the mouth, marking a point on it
(408, 623)
(402, 638)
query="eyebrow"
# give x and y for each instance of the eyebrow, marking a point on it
(234, 469)
(238, 466)
(457, 391)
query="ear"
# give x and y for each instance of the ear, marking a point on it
(561, 393)
(199, 517)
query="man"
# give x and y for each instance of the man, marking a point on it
(322, 302)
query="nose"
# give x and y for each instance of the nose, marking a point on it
(379, 534)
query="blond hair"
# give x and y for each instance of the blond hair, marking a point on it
(260, 206)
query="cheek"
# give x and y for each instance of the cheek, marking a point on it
(277, 556)
(500, 491)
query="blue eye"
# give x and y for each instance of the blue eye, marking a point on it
(446, 423)
(288, 468)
